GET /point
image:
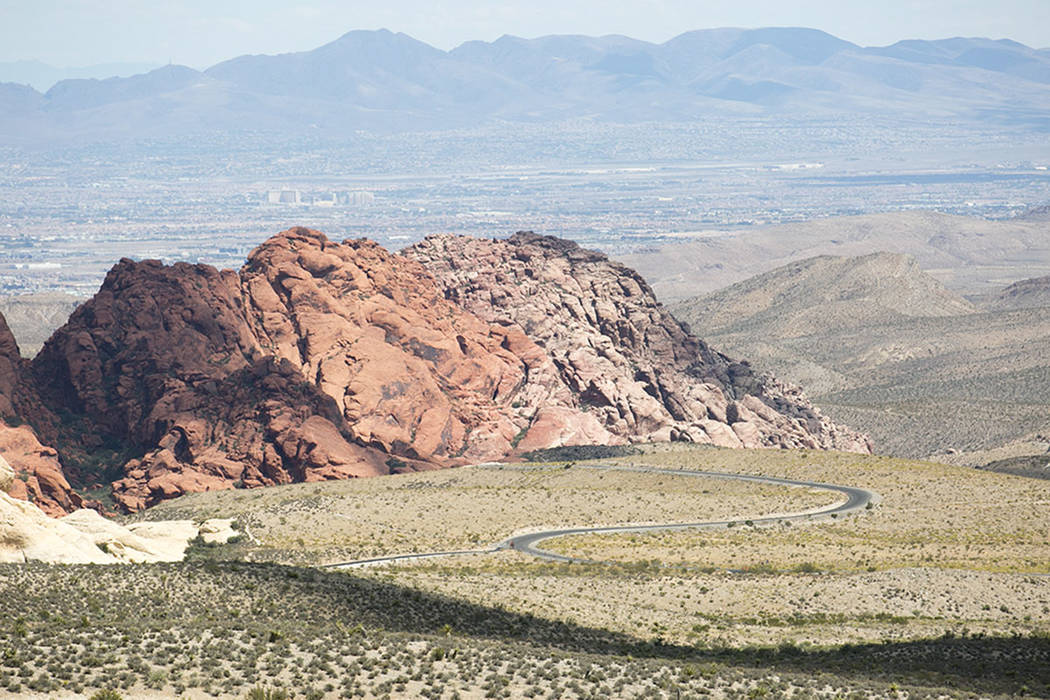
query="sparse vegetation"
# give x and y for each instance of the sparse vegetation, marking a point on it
(811, 610)
(462, 509)
(209, 628)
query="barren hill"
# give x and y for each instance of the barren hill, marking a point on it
(968, 255)
(883, 346)
(1022, 295)
(824, 293)
(324, 360)
(34, 317)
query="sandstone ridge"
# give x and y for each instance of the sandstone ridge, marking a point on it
(325, 360)
(618, 351)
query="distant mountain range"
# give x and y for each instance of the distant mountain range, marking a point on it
(41, 76)
(382, 80)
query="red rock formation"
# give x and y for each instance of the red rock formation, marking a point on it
(623, 356)
(163, 359)
(39, 476)
(413, 374)
(260, 426)
(324, 360)
(320, 360)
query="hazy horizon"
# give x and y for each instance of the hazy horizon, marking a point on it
(73, 34)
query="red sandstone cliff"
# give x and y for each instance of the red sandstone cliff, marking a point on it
(325, 360)
(622, 355)
(38, 472)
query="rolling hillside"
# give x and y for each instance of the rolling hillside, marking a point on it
(883, 346)
(970, 256)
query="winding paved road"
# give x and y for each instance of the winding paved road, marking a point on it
(856, 499)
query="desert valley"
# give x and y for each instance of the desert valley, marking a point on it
(569, 367)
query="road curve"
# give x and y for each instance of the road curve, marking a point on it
(856, 499)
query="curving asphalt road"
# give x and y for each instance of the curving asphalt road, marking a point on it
(856, 499)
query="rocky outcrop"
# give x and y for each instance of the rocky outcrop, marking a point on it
(10, 368)
(413, 374)
(622, 356)
(163, 359)
(320, 360)
(39, 474)
(324, 360)
(85, 537)
(1025, 294)
(263, 425)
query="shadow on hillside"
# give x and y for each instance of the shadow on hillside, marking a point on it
(1008, 665)
(301, 604)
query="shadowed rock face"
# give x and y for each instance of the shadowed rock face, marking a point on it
(622, 356)
(11, 365)
(323, 360)
(38, 473)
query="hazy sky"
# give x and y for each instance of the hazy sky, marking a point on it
(200, 33)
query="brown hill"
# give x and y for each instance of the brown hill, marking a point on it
(34, 317)
(1025, 294)
(324, 360)
(968, 255)
(884, 347)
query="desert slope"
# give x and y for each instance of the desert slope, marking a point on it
(968, 255)
(887, 348)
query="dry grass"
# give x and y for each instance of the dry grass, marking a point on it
(723, 609)
(931, 515)
(944, 551)
(818, 625)
(468, 508)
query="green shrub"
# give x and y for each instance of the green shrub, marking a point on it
(261, 693)
(107, 694)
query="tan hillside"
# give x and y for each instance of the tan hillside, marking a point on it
(34, 317)
(897, 355)
(1022, 295)
(826, 292)
(968, 255)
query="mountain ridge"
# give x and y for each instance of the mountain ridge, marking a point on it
(773, 71)
(886, 347)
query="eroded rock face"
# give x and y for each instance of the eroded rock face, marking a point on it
(413, 374)
(11, 367)
(323, 360)
(320, 360)
(263, 425)
(164, 359)
(38, 473)
(623, 357)
(150, 332)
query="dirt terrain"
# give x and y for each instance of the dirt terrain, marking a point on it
(882, 345)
